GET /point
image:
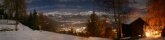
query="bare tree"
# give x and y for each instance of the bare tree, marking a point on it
(15, 8)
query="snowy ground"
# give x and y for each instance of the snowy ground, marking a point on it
(160, 38)
(43, 35)
(25, 33)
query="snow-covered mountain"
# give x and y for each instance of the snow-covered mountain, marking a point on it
(74, 13)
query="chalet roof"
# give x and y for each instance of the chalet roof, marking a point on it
(133, 20)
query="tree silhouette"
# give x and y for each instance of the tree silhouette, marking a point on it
(15, 9)
(2, 12)
(33, 20)
(46, 23)
(93, 25)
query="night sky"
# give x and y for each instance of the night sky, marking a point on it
(74, 5)
(79, 5)
(53, 5)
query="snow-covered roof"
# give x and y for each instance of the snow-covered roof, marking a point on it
(129, 21)
(7, 22)
(11, 24)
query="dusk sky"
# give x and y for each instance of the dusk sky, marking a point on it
(77, 5)
(53, 5)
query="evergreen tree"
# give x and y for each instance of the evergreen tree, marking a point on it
(32, 20)
(97, 27)
(46, 23)
(93, 24)
(35, 19)
(2, 12)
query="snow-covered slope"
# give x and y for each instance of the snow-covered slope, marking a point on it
(160, 38)
(37, 35)
(25, 33)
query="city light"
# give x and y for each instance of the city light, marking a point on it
(73, 29)
(152, 32)
(80, 30)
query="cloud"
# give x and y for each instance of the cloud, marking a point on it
(69, 6)
(64, 0)
(38, 8)
(1, 1)
(61, 5)
(29, 1)
(72, 0)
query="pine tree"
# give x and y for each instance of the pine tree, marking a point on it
(46, 23)
(33, 20)
(93, 25)
(1, 12)
(30, 22)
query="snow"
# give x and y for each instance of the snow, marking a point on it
(25, 33)
(11, 24)
(159, 38)
(7, 22)
(43, 35)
